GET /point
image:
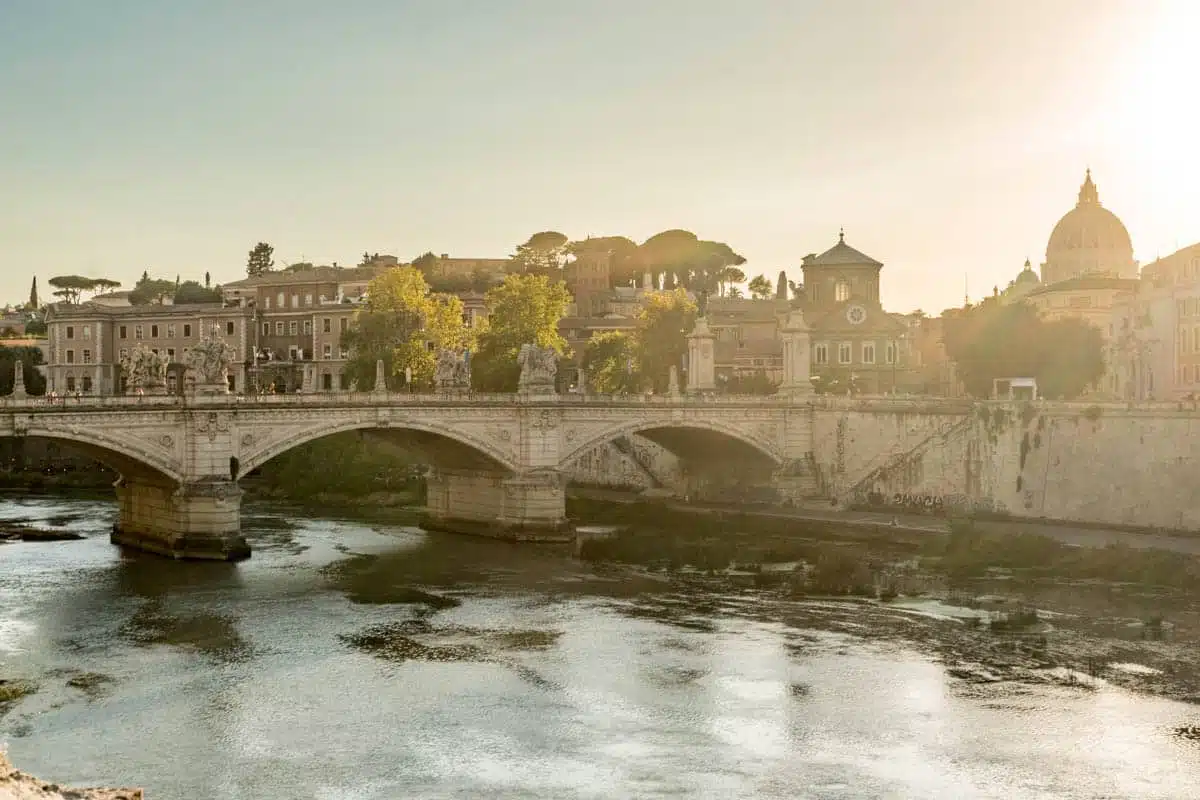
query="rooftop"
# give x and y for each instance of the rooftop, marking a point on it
(841, 255)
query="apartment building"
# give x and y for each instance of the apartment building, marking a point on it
(86, 343)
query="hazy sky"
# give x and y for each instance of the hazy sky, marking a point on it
(947, 136)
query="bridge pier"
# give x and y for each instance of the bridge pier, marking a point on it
(526, 507)
(200, 520)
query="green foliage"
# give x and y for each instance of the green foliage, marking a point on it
(543, 254)
(192, 292)
(33, 296)
(665, 321)
(35, 327)
(30, 358)
(524, 309)
(71, 287)
(610, 361)
(260, 260)
(625, 261)
(349, 464)
(398, 323)
(996, 340)
(423, 262)
(703, 267)
(149, 290)
(760, 288)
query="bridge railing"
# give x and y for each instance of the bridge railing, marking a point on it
(341, 399)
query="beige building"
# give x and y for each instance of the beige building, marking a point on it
(856, 345)
(87, 342)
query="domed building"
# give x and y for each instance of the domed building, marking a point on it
(1088, 240)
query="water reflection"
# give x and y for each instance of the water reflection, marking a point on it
(366, 661)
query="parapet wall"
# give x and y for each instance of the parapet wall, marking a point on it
(1103, 463)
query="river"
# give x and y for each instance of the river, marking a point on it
(352, 660)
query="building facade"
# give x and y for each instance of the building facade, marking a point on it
(856, 345)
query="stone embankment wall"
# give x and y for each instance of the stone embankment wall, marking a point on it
(631, 463)
(1104, 464)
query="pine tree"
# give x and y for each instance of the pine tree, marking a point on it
(33, 296)
(260, 260)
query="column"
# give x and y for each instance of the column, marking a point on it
(797, 378)
(701, 359)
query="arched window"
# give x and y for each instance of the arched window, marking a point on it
(841, 291)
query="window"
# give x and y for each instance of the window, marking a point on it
(87, 385)
(124, 354)
(307, 327)
(821, 353)
(844, 353)
(187, 331)
(87, 356)
(294, 353)
(87, 331)
(70, 356)
(267, 301)
(343, 352)
(295, 301)
(279, 301)
(229, 328)
(344, 324)
(326, 382)
(171, 353)
(266, 329)
(292, 327)
(868, 353)
(890, 353)
(327, 353)
(70, 383)
(154, 350)
(279, 329)
(327, 325)
(153, 331)
(70, 331)
(308, 299)
(137, 332)
(170, 331)
(841, 292)
(123, 332)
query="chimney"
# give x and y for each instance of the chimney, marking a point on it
(445, 255)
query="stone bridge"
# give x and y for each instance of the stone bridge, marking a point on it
(497, 461)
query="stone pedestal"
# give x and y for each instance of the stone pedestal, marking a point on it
(195, 521)
(210, 389)
(18, 391)
(701, 359)
(525, 507)
(797, 375)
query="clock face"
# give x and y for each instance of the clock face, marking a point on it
(856, 315)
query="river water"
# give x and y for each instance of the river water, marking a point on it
(352, 660)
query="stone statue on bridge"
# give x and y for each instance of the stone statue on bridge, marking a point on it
(539, 368)
(145, 370)
(451, 371)
(209, 362)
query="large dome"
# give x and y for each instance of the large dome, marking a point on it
(1088, 240)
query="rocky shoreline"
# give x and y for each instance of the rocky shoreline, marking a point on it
(16, 785)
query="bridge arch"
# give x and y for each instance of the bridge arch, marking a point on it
(457, 448)
(715, 430)
(128, 457)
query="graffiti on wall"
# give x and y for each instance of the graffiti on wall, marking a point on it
(925, 503)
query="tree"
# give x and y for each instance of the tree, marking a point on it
(261, 260)
(664, 324)
(625, 263)
(760, 288)
(190, 292)
(734, 293)
(611, 363)
(71, 287)
(425, 262)
(398, 323)
(727, 279)
(781, 286)
(33, 296)
(299, 266)
(30, 358)
(998, 340)
(682, 259)
(544, 253)
(149, 291)
(524, 309)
